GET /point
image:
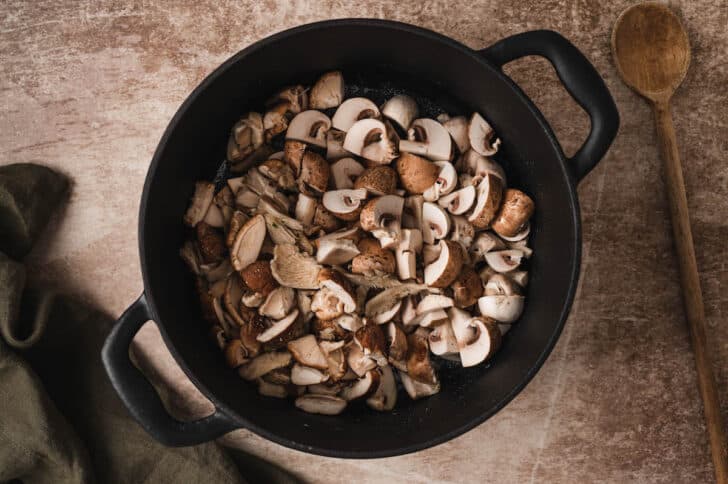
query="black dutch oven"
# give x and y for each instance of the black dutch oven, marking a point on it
(378, 58)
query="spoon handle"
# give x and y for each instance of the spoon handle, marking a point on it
(692, 295)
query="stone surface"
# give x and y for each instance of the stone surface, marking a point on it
(88, 88)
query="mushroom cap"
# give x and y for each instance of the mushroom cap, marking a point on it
(335, 145)
(336, 251)
(258, 277)
(401, 109)
(353, 110)
(489, 193)
(345, 204)
(504, 309)
(293, 269)
(459, 201)
(373, 259)
(339, 285)
(306, 351)
(446, 268)
(309, 127)
(482, 136)
(416, 174)
(515, 211)
(210, 242)
(345, 171)
(428, 138)
(385, 396)
(467, 288)
(381, 211)
(314, 177)
(458, 129)
(328, 91)
(321, 404)
(370, 338)
(378, 180)
(419, 366)
(372, 140)
(324, 219)
(293, 152)
(435, 223)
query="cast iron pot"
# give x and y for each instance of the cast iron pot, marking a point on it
(378, 58)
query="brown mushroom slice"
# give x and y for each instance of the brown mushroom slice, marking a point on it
(435, 223)
(309, 127)
(214, 217)
(504, 260)
(416, 389)
(430, 253)
(401, 109)
(344, 204)
(477, 166)
(336, 251)
(352, 233)
(293, 152)
(504, 309)
(419, 366)
(429, 319)
(489, 193)
(295, 96)
(264, 363)
(384, 397)
(200, 204)
(278, 303)
(258, 277)
(501, 285)
(406, 254)
(321, 404)
(353, 110)
(246, 136)
(340, 287)
(467, 288)
(377, 180)
(275, 121)
(477, 339)
(514, 213)
(521, 245)
(328, 92)
(279, 376)
(482, 136)
(363, 387)
(293, 269)
(446, 181)
(279, 328)
(304, 375)
(235, 354)
(432, 302)
(396, 341)
(446, 268)
(459, 201)
(388, 315)
(416, 174)
(216, 272)
(428, 138)
(271, 389)
(458, 128)
(370, 339)
(442, 340)
(409, 310)
(324, 219)
(372, 140)
(314, 177)
(345, 171)
(358, 362)
(210, 243)
(246, 198)
(218, 335)
(248, 243)
(231, 298)
(235, 183)
(252, 299)
(248, 333)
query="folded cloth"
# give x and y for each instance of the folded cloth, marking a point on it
(60, 419)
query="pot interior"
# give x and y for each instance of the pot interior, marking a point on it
(442, 76)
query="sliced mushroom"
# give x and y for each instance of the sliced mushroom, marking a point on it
(504, 309)
(419, 366)
(246, 136)
(335, 145)
(258, 277)
(401, 109)
(406, 254)
(280, 172)
(520, 240)
(435, 223)
(432, 302)
(338, 285)
(282, 331)
(459, 201)
(458, 129)
(305, 208)
(214, 216)
(327, 330)
(372, 259)
(462, 231)
(252, 299)
(378, 180)
(326, 305)
(353, 110)
(278, 303)
(483, 243)
(412, 212)
(248, 243)
(396, 340)
(428, 138)
(275, 120)
(249, 332)
(429, 319)
(201, 201)
(489, 193)
(246, 198)
(335, 358)
(210, 243)
(293, 152)
(324, 219)
(328, 92)
(477, 166)
(345, 204)
(303, 299)
(350, 322)
(446, 268)
(416, 174)
(416, 389)
(309, 127)
(501, 285)
(482, 137)
(384, 397)
(314, 177)
(372, 140)
(387, 315)
(344, 172)
(296, 97)
(519, 277)
(467, 288)
(442, 339)
(358, 362)
(336, 251)
(430, 253)
(326, 388)
(409, 310)
(514, 213)
(370, 339)
(264, 363)
(218, 335)
(387, 298)
(382, 217)
(304, 375)
(235, 354)
(321, 404)
(362, 388)
(278, 233)
(446, 181)
(477, 338)
(504, 260)
(271, 389)
(235, 184)
(293, 269)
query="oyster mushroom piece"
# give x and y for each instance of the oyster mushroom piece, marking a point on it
(309, 127)
(442, 340)
(504, 260)
(344, 204)
(358, 362)
(336, 251)
(326, 306)
(419, 366)
(467, 288)
(340, 287)
(363, 387)
(482, 136)
(377, 180)
(382, 217)
(489, 193)
(335, 145)
(416, 389)
(477, 338)
(458, 129)
(446, 268)
(305, 208)
(321, 404)
(370, 339)
(515, 211)
(428, 138)
(344, 172)
(406, 253)
(416, 174)
(384, 397)
(314, 177)
(328, 92)
(353, 110)
(501, 285)
(264, 363)
(278, 303)
(401, 109)
(409, 310)
(459, 201)
(294, 269)
(304, 375)
(462, 231)
(446, 181)
(275, 120)
(387, 298)
(371, 139)
(396, 340)
(201, 201)
(504, 309)
(248, 243)
(435, 223)
(483, 243)
(352, 233)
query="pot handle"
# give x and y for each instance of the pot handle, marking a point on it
(579, 78)
(140, 397)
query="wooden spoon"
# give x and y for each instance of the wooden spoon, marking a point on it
(652, 54)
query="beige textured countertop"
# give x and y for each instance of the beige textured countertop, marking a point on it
(88, 88)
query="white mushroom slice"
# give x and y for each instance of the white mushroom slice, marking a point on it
(353, 110)
(328, 91)
(339, 286)
(387, 315)
(327, 388)
(504, 309)
(521, 245)
(248, 243)
(336, 251)
(446, 181)
(201, 201)
(370, 139)
(477, 166)
(501, 285)
(271, 389)
(246, 198)
(442, 117)
(305, 208)
(358, 362)
(435, 223)
(345, 171)
(396, 346)
(264, 363)
(483, 243)
(350, 322)
(303, 300)
(387, 298)
(413, 206)
(214, 217)
(304, 375)
(401, 109)
(416, 389)
(504, 260)
(344, 203)
(406, 254)
(476, 338)
(519, 277)
(430, 253)
(432, 302)
(428, 138)
(429, 319)
(459, 201)
(279, 327)
(278, 303)
(458, 129)
(409, 310)
(321, 404)
(293, 269)
(309, 127)
(252, 299)
(490, 194)
(236, 183)
(335, 145)
(442, 340)
(191, 256)
(335, 357)
(446, 268)
(482, 137)
(462, 231)
(278, 233)
(363, 387)
(385, 396)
